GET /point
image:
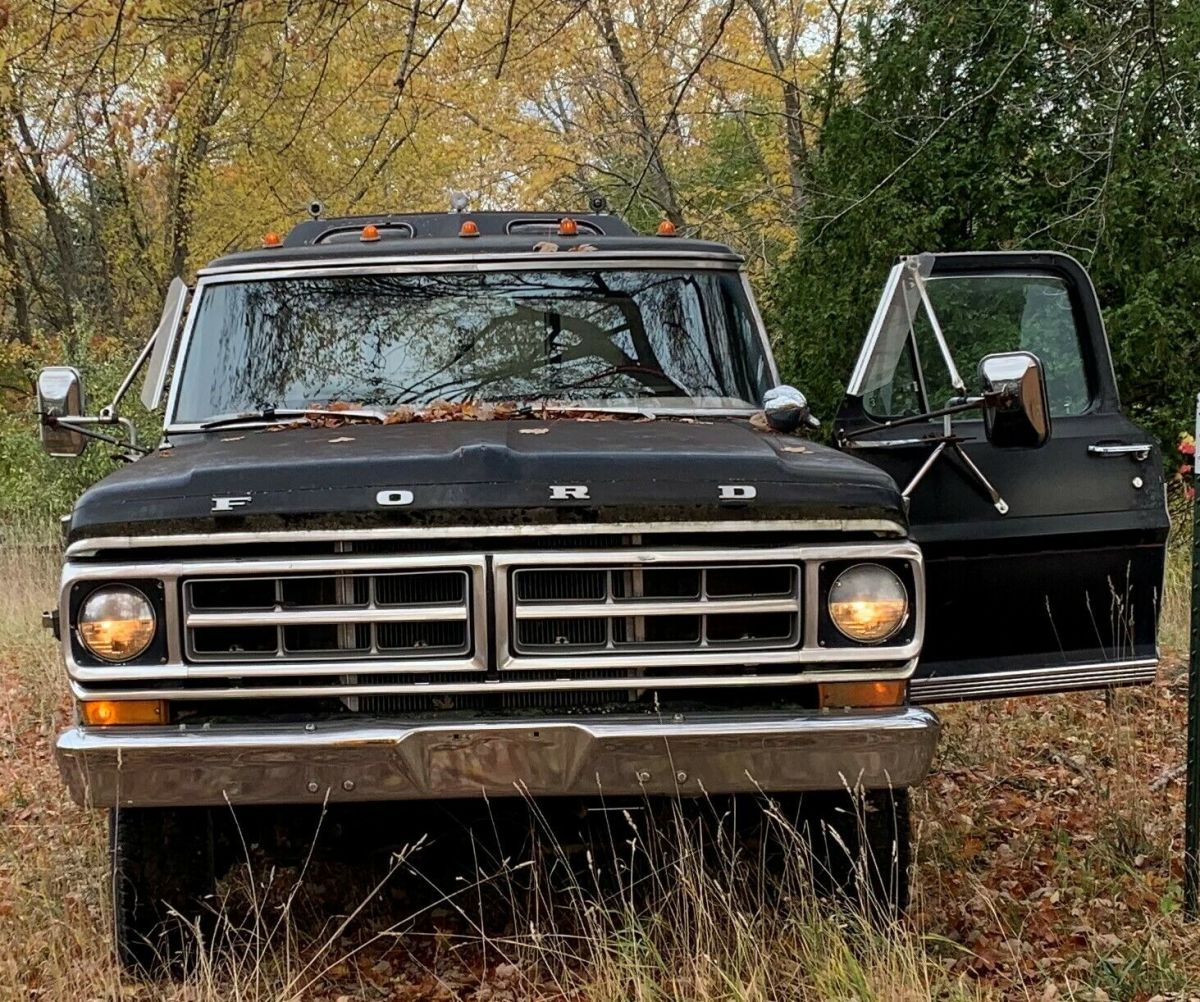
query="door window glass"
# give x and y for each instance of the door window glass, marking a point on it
(979, 315)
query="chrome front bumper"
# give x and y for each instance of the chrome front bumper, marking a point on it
(369, 760)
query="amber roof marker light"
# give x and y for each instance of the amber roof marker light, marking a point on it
(469, 228)
(666, 228)
(272, 239)
(370, 234)
(567, 227)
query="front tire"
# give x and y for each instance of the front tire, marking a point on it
(862, 848)
(163, 872)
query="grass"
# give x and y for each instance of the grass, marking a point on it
(1049, 867)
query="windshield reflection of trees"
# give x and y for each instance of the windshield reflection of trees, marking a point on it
(388, 340)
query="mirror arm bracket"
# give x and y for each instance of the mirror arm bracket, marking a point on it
(109, 413)
(967, 404)
(106, 417)
(976, 473)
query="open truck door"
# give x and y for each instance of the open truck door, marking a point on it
(985, 388)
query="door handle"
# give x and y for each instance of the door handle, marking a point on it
(1139, 452)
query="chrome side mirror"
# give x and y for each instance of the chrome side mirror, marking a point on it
(1016, 410)
(60, 395)
(786, 409)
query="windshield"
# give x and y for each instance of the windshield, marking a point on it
(650, 338)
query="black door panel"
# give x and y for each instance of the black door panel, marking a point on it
(1063, 590)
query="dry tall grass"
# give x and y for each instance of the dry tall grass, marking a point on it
(697, 924)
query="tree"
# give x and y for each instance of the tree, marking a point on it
(994, 124)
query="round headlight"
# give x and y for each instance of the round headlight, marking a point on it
(116, 623)
(868, 603)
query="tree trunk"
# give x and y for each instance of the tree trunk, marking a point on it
(8, 247)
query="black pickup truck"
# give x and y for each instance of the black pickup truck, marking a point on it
(514, 504)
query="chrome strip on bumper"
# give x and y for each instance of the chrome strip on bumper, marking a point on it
(393, 760)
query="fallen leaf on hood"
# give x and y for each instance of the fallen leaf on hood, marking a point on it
(534, 431)
(338, 441)
(233, 438)
(401, 415)
(759, 422)
(793, 448)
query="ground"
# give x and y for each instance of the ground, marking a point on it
(1049, 846)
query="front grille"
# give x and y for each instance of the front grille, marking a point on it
(660, 609)
(539, 627)
(552, 697)
(354, 616)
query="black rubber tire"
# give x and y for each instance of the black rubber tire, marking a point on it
(862, 848)
(163, 872)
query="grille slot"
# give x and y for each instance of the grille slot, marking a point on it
(663, 609)
(331, 616)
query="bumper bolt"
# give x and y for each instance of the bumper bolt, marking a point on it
(643, 776)
(681, 776)
(348, 785)
(313, 786)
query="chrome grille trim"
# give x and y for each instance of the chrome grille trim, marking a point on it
(330, 676)
(336, 603)
(83, 548)
(624, 610)
(183, 663)
(901, 670)
(617, 615)
(803, 647)
(330, 617)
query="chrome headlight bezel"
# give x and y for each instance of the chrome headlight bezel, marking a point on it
(146, 594)
(888, 578)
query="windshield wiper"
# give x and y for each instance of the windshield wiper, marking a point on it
(273, 414)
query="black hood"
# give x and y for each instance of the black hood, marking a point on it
(495, 471)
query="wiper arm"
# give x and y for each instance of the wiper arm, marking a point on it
(272, 414)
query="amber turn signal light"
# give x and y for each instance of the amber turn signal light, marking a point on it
(469, 228)
(666, 228)
(369, 234)
(861, 694)
(568, 227)
(272, 240)
(119, 712)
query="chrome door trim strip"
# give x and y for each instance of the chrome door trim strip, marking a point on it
(1063, 678)
(91, 545)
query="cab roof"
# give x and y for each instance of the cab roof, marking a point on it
(439, 234)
